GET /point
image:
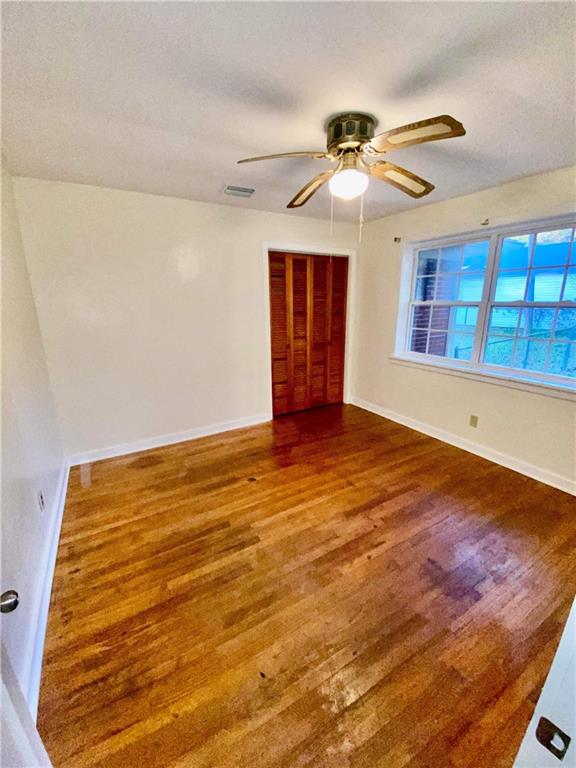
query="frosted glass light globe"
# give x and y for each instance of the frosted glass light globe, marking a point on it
(348, 184)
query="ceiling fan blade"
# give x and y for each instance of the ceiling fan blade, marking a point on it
(401, 178)
(315, 155)
(309, 189)
(433, 129)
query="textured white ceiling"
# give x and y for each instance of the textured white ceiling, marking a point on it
(164, 97)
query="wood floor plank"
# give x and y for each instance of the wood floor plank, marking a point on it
(330, 589)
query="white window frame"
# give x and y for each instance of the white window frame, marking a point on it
(474, 367)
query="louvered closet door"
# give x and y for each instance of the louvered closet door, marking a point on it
(320, 330)
(279, 335)
(298, 342)
(337, 289)
(308, 321)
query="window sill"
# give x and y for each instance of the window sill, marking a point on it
(564, 392)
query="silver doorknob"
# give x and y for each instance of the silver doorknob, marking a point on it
(9, 601)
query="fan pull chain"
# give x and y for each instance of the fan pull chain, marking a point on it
(361, 219)
(331, 215)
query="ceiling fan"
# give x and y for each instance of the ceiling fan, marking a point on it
(351, 141)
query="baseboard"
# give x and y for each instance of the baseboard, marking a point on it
(162, 440)
(510, 462)
(49, 565)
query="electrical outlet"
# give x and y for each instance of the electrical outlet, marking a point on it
(41, 501)
(473, 420)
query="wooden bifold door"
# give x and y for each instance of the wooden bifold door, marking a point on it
(308, 329)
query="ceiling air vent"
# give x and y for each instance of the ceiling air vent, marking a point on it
(238, 191)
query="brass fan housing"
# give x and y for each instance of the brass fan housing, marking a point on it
(349, 130)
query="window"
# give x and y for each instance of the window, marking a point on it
(502, 304)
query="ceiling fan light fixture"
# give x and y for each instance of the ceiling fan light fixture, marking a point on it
(350, 140)
(348, 184)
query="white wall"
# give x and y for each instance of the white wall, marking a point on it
(538, 430)
(32, 460)
(154, 310)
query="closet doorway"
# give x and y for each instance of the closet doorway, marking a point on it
(308, 329)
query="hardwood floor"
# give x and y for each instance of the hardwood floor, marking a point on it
(330, 589)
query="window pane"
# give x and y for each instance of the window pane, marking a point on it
(427, 263)
(462, 319)
(536, 323)
(437, 343)
(454, 345)
(460, 346)
(545, 285)
(450, 258)
(566, 324)
(420, 317)
(530, 355)
(511, 286)
(476, 256)
(471, 287)
(570, 286)
(465, 318)
(424, 288)
(447, 287)
(498, 350)
(419, 341)
(441, 318)
(503, 320)
(515, 253)
(562, 360)
(552, 248)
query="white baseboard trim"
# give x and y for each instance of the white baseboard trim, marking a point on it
(162, 440)
(510, 462)
(48, 568)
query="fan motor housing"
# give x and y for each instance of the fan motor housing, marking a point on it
(349, 130)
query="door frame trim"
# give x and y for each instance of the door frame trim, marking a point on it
(316, 249)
